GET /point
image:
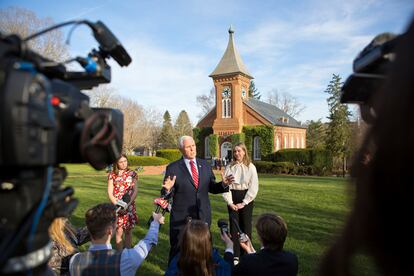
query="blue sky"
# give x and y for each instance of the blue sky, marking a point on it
(291, 46)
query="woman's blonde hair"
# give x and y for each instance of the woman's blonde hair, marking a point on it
(57, 233)
(246, 159)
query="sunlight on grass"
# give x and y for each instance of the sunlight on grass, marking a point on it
(314, 208)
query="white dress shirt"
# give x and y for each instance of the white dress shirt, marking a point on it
(245, 178)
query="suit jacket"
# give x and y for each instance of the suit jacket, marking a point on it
(187, 200)
(267, 262)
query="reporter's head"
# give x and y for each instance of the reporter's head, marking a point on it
(100, 219)
(196, 249)
(272, 231)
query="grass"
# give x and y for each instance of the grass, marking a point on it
(313, 207)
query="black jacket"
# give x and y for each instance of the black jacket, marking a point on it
(267, 262)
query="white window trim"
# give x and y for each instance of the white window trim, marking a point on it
(256, 148)
(226, 108)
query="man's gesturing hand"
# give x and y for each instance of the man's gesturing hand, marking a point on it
(169, 183)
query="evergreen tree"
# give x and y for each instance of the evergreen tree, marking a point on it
(315, 135)
(338, 134)
(167, 136)
(183, 125)
(253, 92)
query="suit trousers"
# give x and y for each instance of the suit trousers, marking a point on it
(243, 217)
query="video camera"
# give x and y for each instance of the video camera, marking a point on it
(370, 68)
(46, 120)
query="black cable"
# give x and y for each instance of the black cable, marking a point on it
(77, 22)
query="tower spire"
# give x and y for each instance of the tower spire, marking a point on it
(231, 61)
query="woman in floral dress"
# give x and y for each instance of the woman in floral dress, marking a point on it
(122, 181)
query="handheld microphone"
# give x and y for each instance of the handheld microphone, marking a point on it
(224, 226)
(122, 204)
(163, 204)
(242, 236)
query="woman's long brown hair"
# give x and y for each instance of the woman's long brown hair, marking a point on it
(115, 168)
(196, 257)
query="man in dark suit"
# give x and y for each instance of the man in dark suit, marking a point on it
(271, 259)
(190, 179)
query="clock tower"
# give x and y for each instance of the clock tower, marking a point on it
(231, 82)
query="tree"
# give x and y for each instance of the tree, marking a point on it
(102, 96)
(141, 125)
(315, 134)
(14, 20)
(167, 136)
(338, 133)
(206, 102)
(286, 102)
(183, 125)
(253, 92)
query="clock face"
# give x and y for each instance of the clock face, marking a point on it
(226, 92)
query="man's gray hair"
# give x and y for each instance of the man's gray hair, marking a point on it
(181, 140)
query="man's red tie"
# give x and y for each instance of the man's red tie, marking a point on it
(194, 173)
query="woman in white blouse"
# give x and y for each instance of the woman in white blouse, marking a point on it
(242, 193)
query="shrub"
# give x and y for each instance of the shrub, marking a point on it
(315, 161)
(170, 154)
(146, 161)
(213, 145)
(275, 167)
(199, 134)
(266, 138)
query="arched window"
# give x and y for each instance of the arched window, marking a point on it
(226, 108)
(303, 142)
(291, 143)
(256, 148)
(206, 148)
(277, 143)
(297, 142)
(285, 145)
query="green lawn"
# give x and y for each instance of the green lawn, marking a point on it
(313, 207)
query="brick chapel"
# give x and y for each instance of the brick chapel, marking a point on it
(234, 109)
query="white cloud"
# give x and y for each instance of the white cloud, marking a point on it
(163, 79)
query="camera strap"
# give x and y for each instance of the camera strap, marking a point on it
(29, 261)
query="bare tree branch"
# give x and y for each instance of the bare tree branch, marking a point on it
(286, 102)
(206, 102)
(14, 20)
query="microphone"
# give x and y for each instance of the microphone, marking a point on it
(242, 236)
(224, 226)
(163, 204)
(122, 204)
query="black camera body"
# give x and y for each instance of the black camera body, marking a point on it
(46, 120)
(370, 68)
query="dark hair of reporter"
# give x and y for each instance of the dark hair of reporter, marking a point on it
(380, 224)
(115, 168)
(196, 257)
(99, 218)
(272, 231)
